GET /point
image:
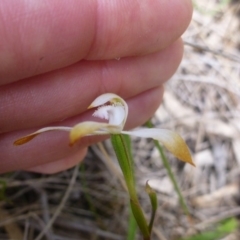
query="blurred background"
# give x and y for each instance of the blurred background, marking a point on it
(202, 103)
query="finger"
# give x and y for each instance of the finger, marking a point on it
(66, 93)
(40, 36)
(52, 146)
(60, 165)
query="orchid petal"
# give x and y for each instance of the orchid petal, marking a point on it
(29, 137)
(114, 114)
(91, 128)
(171, 140)
(118, 118)
(104, 98)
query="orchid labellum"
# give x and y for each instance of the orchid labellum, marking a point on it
(115, 110)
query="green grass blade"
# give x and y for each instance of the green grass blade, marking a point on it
(153, 199)
(88, 197)
(3, 188)
(170, 173)
(221, 230)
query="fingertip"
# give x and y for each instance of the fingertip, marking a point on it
(143, 28)
(144, 106)
(78, 31)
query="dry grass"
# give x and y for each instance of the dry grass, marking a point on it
(202, 102)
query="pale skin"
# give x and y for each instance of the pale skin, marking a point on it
(56, 57)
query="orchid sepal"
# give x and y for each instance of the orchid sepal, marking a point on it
(29, 137)
(91, 128)
(172, 141)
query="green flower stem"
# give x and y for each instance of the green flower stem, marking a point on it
(122, 147)
(132, 226)
(170, 173)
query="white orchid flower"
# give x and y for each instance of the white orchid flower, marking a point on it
(115, 110)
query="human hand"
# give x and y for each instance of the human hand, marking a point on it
(58, 56)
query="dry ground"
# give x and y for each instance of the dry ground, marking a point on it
(202, 103)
